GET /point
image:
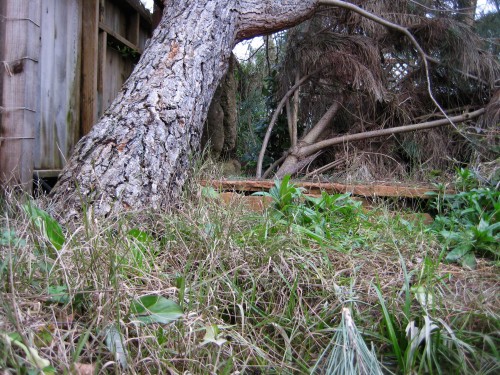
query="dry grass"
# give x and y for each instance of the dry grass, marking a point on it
(270, 299)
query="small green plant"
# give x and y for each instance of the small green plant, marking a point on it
(155, 309)
(468, 221)
(46, 224)
(421, 344)
(319, 219)
(286, 196)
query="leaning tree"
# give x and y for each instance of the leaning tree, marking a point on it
(138, 153)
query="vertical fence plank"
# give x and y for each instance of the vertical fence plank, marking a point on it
(58, 125)
(19, 53)
(101, 72)
(90, 46)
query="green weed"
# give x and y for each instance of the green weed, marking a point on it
(468, 221)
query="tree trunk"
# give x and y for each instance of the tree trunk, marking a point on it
(137, 155)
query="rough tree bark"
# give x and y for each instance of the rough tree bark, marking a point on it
(137, 155)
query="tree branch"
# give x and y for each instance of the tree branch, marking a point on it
(275, 118)
(309, 150)
(321, 125)
(274, 165)
(295, 113)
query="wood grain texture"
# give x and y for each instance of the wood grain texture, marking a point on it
(363, 190)
(19, 52)
(58, 127)
(90, 45)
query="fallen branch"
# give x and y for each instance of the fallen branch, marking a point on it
(291, 165)
(274, 165)
(311, 149)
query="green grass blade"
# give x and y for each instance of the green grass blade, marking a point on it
(390, 328)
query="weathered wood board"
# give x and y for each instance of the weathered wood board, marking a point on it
(58, 125)
(81, 70)
(19, 84)
(373, 190)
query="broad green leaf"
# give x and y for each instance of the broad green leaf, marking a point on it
(155, 309)
(451, 236)
(304, 231)
(494, 227)
(140, 240)
(47, 224)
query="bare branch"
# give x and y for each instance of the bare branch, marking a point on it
(273, 166)
(321, 125)
(295, 113)
(309, 150)
(275, 118)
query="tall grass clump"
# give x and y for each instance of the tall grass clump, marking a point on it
(210, 288)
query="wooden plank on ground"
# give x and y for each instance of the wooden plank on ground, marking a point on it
(372, 190)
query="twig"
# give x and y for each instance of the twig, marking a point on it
(274, 165)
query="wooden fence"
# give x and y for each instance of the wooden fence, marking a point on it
(62, 62)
